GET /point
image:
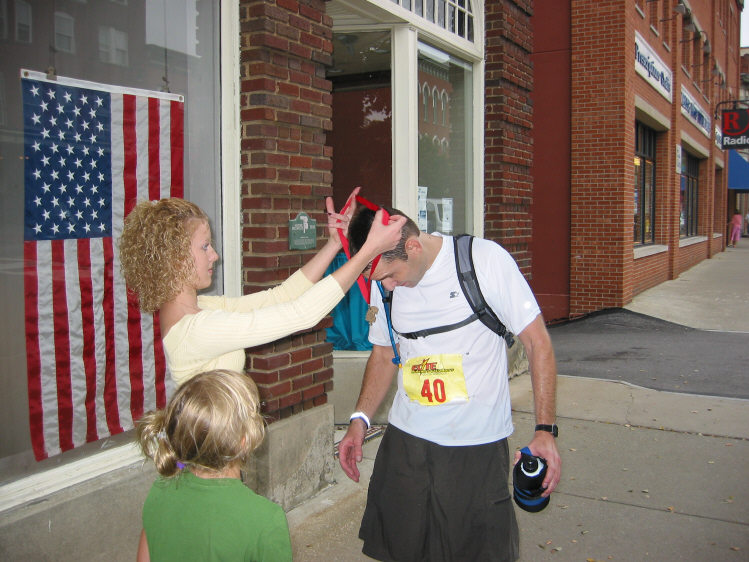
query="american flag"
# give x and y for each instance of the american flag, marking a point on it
(92, 151)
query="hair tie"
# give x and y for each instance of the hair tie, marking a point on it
(161, 435)
(180, 465)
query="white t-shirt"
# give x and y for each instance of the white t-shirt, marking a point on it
(485, 415)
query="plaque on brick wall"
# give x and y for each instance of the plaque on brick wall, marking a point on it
(302, 233)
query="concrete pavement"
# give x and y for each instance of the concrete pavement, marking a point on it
(647, 474)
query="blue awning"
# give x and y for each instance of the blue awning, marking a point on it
(738, 172)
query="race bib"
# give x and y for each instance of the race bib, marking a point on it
(435, 379)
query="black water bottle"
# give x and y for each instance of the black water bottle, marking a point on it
(527, 481)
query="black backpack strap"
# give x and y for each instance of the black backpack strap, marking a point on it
(469, 283)
(438, 330)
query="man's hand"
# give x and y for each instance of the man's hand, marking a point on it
(544, 445)
(350, 449)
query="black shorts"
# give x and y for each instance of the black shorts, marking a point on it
(434, 503)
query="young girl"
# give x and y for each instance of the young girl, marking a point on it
(167, 257)
(200, 509)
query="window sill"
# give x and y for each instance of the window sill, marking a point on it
(684, 242)
(649, 250)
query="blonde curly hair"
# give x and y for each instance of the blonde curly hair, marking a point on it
(212, 422)
(155, 249)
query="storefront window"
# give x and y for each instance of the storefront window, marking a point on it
(644, 219)
(105, 46)
(445, 193)
(689, 190)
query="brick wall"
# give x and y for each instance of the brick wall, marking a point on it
(508, 123)
(649, 272)
(286, 168)
(601, 179)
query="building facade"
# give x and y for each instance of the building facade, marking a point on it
(626, 107)
(580, 135)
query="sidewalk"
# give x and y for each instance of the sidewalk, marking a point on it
(647, 474)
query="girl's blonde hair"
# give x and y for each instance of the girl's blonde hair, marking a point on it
(155, 249)
(212, 421)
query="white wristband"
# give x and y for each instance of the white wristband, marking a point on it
(362, 416)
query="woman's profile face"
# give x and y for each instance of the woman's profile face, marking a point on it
(203, 255)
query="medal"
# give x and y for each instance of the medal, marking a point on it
(371, 315)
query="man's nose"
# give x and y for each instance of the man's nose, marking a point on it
(389, 284)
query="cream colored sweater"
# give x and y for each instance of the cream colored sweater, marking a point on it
(215, 337)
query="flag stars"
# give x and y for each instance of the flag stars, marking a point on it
(43, 105)
(83, 99)
(52, 120)
(61, 135)
(62, 162)
(99, 102)
(85, 125)
(60, 108)
(54, 147)
(37, 174)
(71, 175)
(36, 119)
(92, 113)
(45, 214)
(71, 228)
(77, 111)
(69, 149)
(45, 133)
(92, 163)
(55, 229)
(55, 202)
(55, 175)
(45, 160)
(36, 146)
(37, 228)
(38, 201)
(34, 90)
(78, 163)
(51, 94)
(69, 123)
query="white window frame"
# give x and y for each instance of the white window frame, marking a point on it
(23, 4)
(37, 486)
(406, 93)
(3, 19)
(67, 18)
(113, 35)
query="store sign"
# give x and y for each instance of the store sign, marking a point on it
(694, 112)
(650, 66)
(735, 123)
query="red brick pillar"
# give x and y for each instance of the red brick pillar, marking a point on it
(286, 168)
(602, 156)
(508, 187)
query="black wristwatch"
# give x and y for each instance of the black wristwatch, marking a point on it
(553, 428)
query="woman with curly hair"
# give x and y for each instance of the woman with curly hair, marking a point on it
(167, 257)
(199, 509)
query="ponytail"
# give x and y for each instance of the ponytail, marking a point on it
(154, 442)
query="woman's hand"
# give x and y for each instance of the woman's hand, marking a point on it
(340, 221)
(384, 237)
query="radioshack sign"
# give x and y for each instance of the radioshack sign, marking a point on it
(735, 124)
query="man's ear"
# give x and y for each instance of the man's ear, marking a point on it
(413, 247)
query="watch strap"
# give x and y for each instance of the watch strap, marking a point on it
(553, 428)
